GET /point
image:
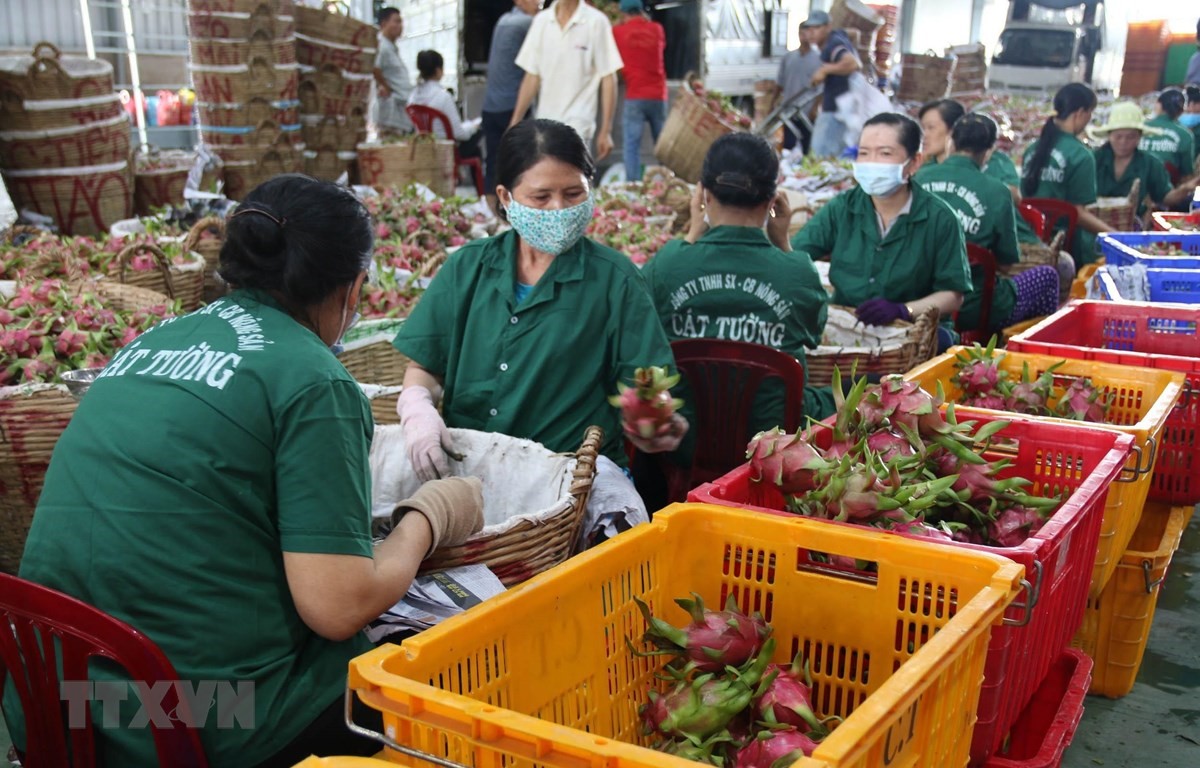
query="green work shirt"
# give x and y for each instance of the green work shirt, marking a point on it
(1070, 175)
(1174, 147)
(207, 448)
(1001, 168)
(924, 251)
(733, 284)
(544, 369)
(1143, 165)
(985, 211)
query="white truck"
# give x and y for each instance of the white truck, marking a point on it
(730, 43)
(1047, 44)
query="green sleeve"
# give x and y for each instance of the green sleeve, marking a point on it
(949, 246)
(1080, 181)
(322, 474)
(819, 235)
(1158, 183)
(1000, 167)
(1187, 146)
(1007, 251)
(638, 338)
(812, 302)
(425, 336)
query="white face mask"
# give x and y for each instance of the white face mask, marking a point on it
(879, 179)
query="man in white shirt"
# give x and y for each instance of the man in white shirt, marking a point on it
(569, 56)
(391, 76)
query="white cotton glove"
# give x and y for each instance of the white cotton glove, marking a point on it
(425, 434)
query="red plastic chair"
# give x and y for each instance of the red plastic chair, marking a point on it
(1036, 219)
(1055, 211)
(724, 377)
(423, 119)
(32, 618)
(978, 256)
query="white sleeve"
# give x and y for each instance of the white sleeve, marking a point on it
(445, 103)
(608, 57)
(530, 53)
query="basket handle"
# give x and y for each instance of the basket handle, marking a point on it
(583, 477)
(428, 138)
(1138, 469)
(388, 741)
(160, 258)
(430, 265)
(200, 227)
(336, 6)
(37, 54)
(1034, 591)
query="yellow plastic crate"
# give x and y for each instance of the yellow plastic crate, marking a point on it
(1145, 398)
(1079, 286)
(343, 762)
(1116, 626)
(541, 674)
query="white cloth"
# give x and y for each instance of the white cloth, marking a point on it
(430, 93)
(571, 61)
(8, 212)
(390, 109)
(614, 505)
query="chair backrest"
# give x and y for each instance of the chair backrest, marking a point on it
(1056, 211)
(724, 377)
(1173, 173)
(978, 256)
(423, 119)
(42, 631)
(1035, 218)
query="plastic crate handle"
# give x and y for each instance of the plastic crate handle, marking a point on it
(389, 742)
(1151, 584)
(1034, 591)
(1138, 470)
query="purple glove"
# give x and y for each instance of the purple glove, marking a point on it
(881, 312)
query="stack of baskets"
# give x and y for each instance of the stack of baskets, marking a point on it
(885, 37)
(65, 140)
(924, 77)
(854, 16)
(243, 65)
(970, 68)
(159, 178)
(337, 56)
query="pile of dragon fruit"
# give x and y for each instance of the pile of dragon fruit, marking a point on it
(725, 702)
(985, 384)
(893, 460)
(49, 327)
(45, 255)
(637, 224)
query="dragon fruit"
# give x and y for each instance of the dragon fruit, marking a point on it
(1014, 525)
(1029, 395)
(714, 640)
(894, 402)
(647, 406)
(1083, 401)
(776, 747)
(788, 461)
(994, 400)
(787, 700)
(710, 750)
(890, 445)
(979, 370)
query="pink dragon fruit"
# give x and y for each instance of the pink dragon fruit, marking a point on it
(788, 461)
(894, 402)
(979, 370)
(1029, 395)
(714, 640)
(647, 406)
(787, 700)
(994, 401)
(1014, 525)
(889, 445)
(710, 750)
(769, 748)
(1083, 401)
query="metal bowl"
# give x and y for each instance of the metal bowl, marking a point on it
(79, 380)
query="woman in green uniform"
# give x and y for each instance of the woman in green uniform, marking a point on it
(937, 118)
(213, 491)
(985, 211)
(527, 333)
(895, 250)
(1058, 166)
(1190, 119)
(1119, 161)
(1175, 146)
(730, 279)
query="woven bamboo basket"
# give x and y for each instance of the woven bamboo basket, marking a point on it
(274, 7)
(919, 346)
(331, 22)
(258, 79)
(181, 282)
(924, 77)
(99, 143)
(690, 129)
(159, 178)
(215, 52)
(314, 52)
(263, 136)
(291, 157)
(852, 14)
(1119, 212)
(19, 114)
(1037, 255)
(206, 238)
(328, 163)
(530, 547)
(47, 74)
(327, 90)
(123, 297)
(341, 133)
(254, 112)
(378, 362)
(244, 175)
(240, 26)
(82, 201)
(422, 158)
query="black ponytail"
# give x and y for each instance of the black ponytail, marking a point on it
(1070, 99)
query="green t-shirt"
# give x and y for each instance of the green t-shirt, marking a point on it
(1155, 182)
(1070, 175)
(923, 252)
(1001, 168)
(208, 447)
(1175, 146)
(985, 210)
(733, 284)
(541, 370)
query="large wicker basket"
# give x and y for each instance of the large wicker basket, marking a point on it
(238, 84)
(264, 135)
(690, 129)
(182, 282)
(206, 238)
(853, 14)
(924, 77)
(82, 201)
(47, 75)
(239, 52)
(421, 158)
(241, 176)
(1037, 255)
(240, 26)
(159, 178)
(327, 90)
(19, 114)
(254, 112)
(314, 52)
(342, 133)
(274, 7)
(98, 143)
(377, 361)
(330, 23)
(1119, 212)
(919, 346)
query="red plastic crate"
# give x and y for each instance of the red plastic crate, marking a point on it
(1146, 335)
(1165, 221)
(1058, 559)
(1045, 729)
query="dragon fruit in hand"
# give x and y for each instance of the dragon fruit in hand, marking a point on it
(714, 640)
(647, 406)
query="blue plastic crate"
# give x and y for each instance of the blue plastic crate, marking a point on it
(1120, 249)
(1176, 286)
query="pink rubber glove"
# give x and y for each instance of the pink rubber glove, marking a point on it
(425, 434)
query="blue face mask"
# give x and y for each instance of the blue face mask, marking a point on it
(550, 231)
(879, 179)
(1190, 119)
